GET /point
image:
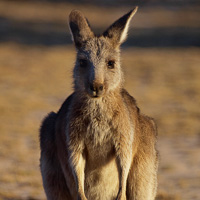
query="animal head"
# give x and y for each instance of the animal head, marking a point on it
(97, 70)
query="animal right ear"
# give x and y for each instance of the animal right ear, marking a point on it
(79, 28)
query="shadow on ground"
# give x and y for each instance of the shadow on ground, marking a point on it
(54, 33)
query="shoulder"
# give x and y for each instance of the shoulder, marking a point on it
(47, 130)
(66, 105)
(127, 97)
(129, 100)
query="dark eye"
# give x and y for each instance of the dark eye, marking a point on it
(83, 63)
(111, 64)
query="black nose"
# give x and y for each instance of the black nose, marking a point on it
(96, 87)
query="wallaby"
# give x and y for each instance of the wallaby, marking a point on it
(99, 146)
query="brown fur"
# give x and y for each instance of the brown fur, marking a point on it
(99, 146)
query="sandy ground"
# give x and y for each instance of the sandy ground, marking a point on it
(179, 172)
(37, 80)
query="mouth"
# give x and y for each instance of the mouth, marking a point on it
(94, 94)
(95, 97)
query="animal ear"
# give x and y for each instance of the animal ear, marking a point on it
(79, 28)
(117, 32)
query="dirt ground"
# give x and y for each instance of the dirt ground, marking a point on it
(36, 77)
(179, 166)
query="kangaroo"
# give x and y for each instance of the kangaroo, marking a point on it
(99, 146)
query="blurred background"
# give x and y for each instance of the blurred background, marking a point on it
(161, 61)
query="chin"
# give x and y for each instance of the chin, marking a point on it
(94, 96)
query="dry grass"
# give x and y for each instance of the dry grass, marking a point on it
(36, 79)
(25, 99)
(169, 79)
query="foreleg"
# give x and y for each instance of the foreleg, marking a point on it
(77, 162)
(124, 156)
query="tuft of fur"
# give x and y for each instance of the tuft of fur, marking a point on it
(99, 146)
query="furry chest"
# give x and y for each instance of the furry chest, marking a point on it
(98, 131)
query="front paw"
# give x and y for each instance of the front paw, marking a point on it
(81, 197)
(121, 195)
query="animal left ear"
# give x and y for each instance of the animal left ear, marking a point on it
(117, 32)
